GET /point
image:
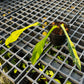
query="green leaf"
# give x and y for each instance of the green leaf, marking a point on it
(0, 63)
(39, 47)
(51, 73)
(57, 80)
(68, 82)
(72, 49)
(2, 51)
(42, 66)
(14, 35)
(0, 41)
(40, 69)
(13, 61)
(23, 65)
(47, 72)
(15, 70)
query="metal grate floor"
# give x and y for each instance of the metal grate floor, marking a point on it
(25, 12)
(9, 6)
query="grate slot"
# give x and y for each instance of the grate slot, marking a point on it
(10, 6)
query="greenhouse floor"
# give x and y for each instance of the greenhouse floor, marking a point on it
(55, 65)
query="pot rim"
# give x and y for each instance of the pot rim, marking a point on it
(57, 34)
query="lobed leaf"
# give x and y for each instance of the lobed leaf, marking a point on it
(72, 49)
(14, 35)
(39, 47)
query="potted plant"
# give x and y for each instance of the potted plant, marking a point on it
(61, 27)
(57, 36)
(38, 50)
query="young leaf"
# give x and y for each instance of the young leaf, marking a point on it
(15, 70)
(23, 65)
(72, 49)
(0, 41)
(40, 69)
(68, 82)
(39, 47)
(50, 73)
(0, 63)
(14, 35)
(57, 81)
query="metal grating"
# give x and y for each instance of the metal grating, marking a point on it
(9, 6)
(70, 12)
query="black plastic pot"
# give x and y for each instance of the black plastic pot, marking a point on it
(56, 39)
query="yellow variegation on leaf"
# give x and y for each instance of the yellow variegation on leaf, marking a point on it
(14, 35)
(72, 49)
(39, 47)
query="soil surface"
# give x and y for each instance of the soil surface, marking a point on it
(58, 30)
